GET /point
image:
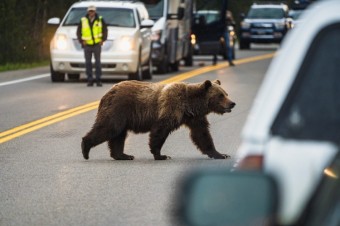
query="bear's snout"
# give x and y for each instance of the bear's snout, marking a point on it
(230, 106)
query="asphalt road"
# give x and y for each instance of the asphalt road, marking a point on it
(44, 179)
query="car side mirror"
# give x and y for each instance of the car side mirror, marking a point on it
(54, 21)
(221, 197)
(242, 16)
(147, 23)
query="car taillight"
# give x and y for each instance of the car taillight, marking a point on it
(250, 162)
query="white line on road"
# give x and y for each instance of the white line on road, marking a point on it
(24, 79)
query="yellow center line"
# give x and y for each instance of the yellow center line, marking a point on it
(43, 122)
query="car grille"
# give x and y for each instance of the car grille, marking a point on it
(81, 65)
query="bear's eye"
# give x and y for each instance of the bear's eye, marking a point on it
(221, 96)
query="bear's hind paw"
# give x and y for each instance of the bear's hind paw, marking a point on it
(161, 157)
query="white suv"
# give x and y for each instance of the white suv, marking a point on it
(127, 48)
(293, 129)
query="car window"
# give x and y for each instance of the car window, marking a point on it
(312, 107)
(112, 16)
(209, 16)
(266, 13)
(155, 8)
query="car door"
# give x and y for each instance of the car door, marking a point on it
(305, 133)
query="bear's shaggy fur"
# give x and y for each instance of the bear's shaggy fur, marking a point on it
(159, 109)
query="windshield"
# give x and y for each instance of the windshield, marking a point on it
(265, 13)
(112, 16)
(210, 16)
(155, 8)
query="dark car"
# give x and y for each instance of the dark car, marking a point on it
(203, 18)
(264, 23)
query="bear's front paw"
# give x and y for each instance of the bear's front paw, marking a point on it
(219, 156)
(123, 157)
(161, 157)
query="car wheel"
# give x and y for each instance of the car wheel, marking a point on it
(138, 75)
(188, 60)
(56, 76)
(73, 76)
(175, 66)
(163, 66)
(244, 44)
(147, 74)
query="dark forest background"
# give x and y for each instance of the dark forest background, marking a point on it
(25, 35)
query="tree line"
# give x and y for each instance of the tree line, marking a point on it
(25, 35)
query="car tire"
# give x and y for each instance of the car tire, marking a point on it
(175, 66)
(188, 60)
(163, 66)
(56, 76)
(138, 75)
(244, 44)
(147, 74)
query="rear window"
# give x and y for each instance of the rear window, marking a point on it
(312, 108)
(266, 13)
(113, 16)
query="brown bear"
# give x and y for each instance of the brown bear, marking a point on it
(159, 109)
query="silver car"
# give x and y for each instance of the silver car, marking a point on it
(125, 52)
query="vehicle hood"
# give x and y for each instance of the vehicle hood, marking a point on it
(113, 32)
(264, 20)
(159, 24)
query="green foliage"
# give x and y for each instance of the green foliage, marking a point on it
(25, 35)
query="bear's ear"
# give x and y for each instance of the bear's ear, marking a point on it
(218, 82)
(207, 84)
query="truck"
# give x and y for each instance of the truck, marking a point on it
(171, 41)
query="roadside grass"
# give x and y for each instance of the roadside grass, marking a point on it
(18, 66)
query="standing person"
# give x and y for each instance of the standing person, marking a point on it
(229, 22)
(91, 33)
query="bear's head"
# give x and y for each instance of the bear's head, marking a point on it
(216, 97)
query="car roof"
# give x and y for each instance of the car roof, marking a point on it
(284, 68)
(256, 5)
(120, 4)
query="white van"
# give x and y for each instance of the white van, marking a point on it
(126, 51)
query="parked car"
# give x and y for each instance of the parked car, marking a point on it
(126, 51)
(264, 23)
(291, 135)
(208, 17)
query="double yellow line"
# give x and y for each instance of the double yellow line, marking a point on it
(43, 122)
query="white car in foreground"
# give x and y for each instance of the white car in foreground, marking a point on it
(293, 130)
(290, 147)
(126, 51)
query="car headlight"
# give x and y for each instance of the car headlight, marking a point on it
(245, 25)
(156, 35)
(125, 43)
(60, 42)
(280, 25)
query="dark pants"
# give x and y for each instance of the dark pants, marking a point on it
(89, 51)
(229, 49)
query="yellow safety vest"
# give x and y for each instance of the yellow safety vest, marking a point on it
(86, 33)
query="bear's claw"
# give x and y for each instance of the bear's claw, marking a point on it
(124, 157)
(220, 156)
(161, 157)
